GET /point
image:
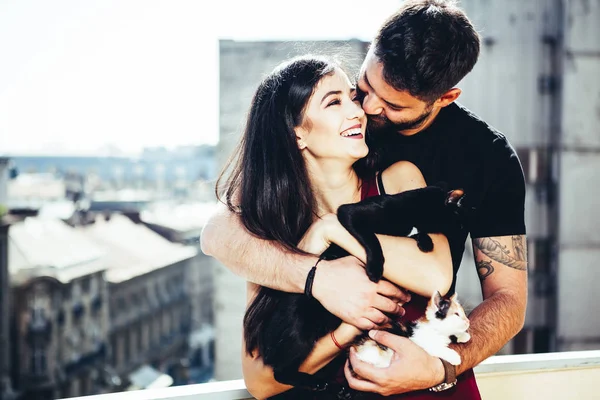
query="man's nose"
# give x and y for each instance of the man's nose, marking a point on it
(372, 105)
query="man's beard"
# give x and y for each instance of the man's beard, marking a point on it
(378, 123)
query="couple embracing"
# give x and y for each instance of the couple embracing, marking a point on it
(315, 140)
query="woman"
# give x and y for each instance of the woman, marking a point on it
(295, 166)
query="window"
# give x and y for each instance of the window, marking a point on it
(85, 284)
(60, 318)
(39, 362)
(121, 304)
(67, 289)
(76, 290)
(94, 284)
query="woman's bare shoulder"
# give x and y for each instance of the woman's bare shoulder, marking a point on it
(402, 176)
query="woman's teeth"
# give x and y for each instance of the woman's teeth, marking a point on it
(352, 132)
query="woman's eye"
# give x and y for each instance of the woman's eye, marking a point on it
(334, 102)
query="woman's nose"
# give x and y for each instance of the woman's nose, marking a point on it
(356, 112)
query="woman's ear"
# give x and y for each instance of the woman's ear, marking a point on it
(300, 135)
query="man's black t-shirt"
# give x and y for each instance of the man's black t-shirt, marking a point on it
(461, 150)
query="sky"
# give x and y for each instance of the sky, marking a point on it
(82, 76)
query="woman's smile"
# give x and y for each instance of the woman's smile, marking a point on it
(354, 132)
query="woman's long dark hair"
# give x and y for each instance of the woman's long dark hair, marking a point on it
(267, 183)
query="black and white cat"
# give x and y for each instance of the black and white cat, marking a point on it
(283, 327)
(444, 322)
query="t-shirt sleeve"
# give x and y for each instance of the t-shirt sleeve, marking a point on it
(502, 209)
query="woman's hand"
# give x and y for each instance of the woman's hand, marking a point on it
(346, 333)
(318, 237)
(328, 230)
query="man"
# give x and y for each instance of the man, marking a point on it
(407, 87)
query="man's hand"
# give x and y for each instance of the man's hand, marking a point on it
(412, 368)
(343, 288)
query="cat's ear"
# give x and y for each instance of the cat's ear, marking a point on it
(453, 297)
(437, 298)
(441, 304)
(454, 196)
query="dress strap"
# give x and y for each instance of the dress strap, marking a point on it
(380, 183)
(369, 188)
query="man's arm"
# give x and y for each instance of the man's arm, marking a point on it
(502, 267)
(256, 260)
(341, 286)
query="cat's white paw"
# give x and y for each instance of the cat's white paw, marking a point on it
(372, 353)
(452, 357)
(463, 337)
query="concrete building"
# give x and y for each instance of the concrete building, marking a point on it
(538, 81)
(182, 223)
(6, 391)
(4, 174)
(6, 388)
(59, 311)
(578, 162)
(149, 303)
(96, 308)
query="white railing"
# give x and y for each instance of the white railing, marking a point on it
(568, 375)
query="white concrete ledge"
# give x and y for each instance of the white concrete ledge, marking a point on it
(500, 377)
(539, 362)
(224, 390)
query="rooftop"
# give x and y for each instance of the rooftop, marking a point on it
(179, 217)
(133, 249)
(49, 247)
(40, 246)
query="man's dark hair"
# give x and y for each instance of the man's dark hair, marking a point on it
(426, 47)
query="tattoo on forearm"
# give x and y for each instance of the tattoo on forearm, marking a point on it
(484, 269)
(520, 248)
(515, 258)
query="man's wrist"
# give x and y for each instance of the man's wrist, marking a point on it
(449, 380)
(307, 268)
(304, 265)
(439, 373)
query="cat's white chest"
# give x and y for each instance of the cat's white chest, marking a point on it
(429, 340)
(436, 345)
(374, 354)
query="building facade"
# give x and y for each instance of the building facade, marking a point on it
(182, 223)
(149, 299)
(59, 313)
(6, 391)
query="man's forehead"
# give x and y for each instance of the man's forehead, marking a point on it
(371, 73)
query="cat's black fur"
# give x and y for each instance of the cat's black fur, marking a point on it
(284, 327)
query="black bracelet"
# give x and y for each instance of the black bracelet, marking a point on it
(309, 280)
